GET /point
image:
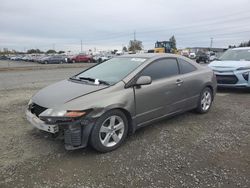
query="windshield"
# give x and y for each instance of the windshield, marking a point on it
(162, 45)
(113, 70)
(236, 55)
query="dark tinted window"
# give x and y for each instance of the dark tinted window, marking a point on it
(185, 67)
(161, 69)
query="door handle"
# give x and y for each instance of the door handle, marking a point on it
(179, 82)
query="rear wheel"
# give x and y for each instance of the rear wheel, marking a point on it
(205, 101)
(109, 131)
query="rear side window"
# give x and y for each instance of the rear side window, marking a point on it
(185, 67)
(163, 68)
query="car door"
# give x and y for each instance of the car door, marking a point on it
(161, 97)
(191, 86)
(53, 59)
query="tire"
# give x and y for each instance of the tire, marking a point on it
(205, 101)
(89, 61)
(61, 62)
(105, 132)
(73, 61)
(46, 62)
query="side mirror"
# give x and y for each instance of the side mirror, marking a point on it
(143, 80)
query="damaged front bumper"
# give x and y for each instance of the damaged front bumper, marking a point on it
(76, 134)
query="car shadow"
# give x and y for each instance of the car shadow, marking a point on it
(234, 90)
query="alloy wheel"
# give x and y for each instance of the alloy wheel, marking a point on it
(111, 131)
(206, 100)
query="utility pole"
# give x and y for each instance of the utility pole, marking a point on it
(81, 46)
(134, 40)
(134, 35)
(211, 43)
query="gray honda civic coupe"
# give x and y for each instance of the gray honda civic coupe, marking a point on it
(102, 105)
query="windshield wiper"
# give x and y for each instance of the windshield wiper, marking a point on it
(96, 81)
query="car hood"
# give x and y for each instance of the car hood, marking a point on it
(63, 92)
(228, 65)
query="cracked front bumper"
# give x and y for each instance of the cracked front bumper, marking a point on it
(36, 122)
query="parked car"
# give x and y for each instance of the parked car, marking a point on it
(232, 69)
(192, 55)
(202, 57)
(3, 57)
(211, 55)
(101, 58)
(53, 59)
(81, 58)
(103, 104)
(16, 58)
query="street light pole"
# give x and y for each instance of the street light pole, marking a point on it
(81, 46)
(211, 43)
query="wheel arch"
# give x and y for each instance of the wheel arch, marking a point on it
(209, 85)
(131, 126)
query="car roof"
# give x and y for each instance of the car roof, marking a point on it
(241, 48)
(150, 55)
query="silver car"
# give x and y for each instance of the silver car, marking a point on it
(103, 104)
(232, 69)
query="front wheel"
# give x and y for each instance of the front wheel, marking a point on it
(110, 131)
(205, 101)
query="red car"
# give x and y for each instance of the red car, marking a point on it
(81, 58)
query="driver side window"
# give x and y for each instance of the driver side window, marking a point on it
(161, 69)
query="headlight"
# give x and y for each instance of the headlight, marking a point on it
(55, 116)
(62, 113)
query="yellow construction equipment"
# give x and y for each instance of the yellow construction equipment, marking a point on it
(164, 47)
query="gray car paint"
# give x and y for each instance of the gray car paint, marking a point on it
(63, 92)
(144, 104)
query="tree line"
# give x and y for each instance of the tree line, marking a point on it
(242, 44)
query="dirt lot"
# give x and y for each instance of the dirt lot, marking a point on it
(211, 150)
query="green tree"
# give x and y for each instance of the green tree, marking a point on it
(231, 46)
(172, 39)
(124, 49)
(51, 51)
(61, 52)
(34, 51)
(135, 45)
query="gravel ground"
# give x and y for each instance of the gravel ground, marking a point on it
(190, 150)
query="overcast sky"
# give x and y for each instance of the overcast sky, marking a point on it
(109, 24)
